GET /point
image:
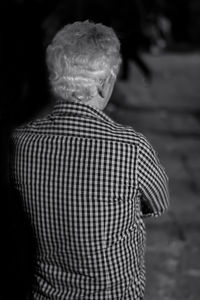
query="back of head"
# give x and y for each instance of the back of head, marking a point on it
(80, 58)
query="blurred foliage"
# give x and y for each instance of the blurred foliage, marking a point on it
(184, 16)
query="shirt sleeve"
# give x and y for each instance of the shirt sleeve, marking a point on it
(152, 181)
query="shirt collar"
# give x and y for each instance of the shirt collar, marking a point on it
(66, 108)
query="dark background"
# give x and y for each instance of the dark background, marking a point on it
(27, 26)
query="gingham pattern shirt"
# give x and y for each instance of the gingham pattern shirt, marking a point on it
(86, 182)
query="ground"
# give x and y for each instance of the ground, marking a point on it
(167, 111)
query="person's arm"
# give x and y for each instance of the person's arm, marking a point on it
(152, 181)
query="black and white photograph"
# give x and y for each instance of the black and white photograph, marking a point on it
(100, 150)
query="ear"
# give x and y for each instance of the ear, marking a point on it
(106, 90)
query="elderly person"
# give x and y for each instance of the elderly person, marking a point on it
(85, 181)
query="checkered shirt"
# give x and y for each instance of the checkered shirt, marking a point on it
(86, 183)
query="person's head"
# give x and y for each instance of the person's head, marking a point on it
(83, 60)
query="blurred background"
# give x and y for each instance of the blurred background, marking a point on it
(157, 92)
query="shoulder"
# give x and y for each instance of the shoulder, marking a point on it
(144, 143)
(32, 126)
(123, 133)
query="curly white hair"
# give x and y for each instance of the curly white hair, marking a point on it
(80, 58)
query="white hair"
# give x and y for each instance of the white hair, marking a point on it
(80, 58)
